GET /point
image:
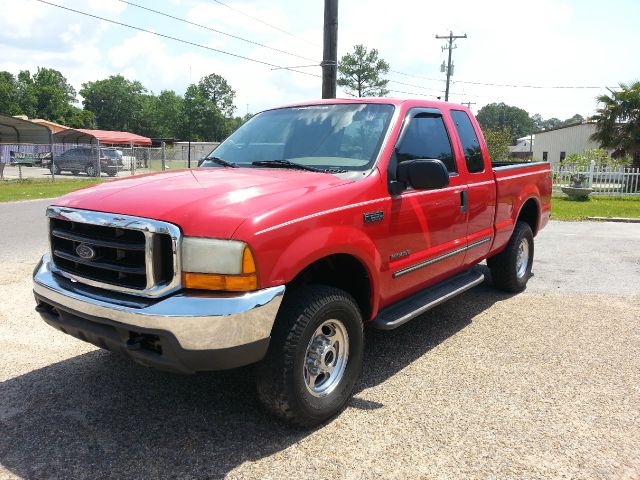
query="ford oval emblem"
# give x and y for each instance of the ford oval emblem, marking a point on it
(85, 251)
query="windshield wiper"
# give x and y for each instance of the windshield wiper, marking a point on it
(224, 163)
(299, 166)
(285, 164)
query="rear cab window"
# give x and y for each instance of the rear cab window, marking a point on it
(469, 140)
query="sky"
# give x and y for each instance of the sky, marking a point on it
(509, 42)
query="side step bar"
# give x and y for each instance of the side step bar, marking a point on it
(401, 312)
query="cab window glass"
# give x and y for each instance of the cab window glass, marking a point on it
(426, 137)
(469, 140)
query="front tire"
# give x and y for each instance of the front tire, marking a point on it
(511, 268)
(91, 171)
(314, 358)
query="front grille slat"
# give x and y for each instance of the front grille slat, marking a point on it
(75, 237)
(97, 264)
(133, 255)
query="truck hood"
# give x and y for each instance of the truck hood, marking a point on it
(203, 202)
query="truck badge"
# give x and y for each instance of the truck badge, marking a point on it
(85, 251)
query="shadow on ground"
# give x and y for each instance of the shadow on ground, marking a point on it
(98, 415)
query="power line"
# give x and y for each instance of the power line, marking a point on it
(498, 84)
(417, 76)
(528, 86)
(133, 27)
(265, 23)
(414, 85)
(157, 12)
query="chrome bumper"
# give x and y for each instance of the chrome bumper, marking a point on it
(197, 321)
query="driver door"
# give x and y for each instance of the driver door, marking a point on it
(427, 228)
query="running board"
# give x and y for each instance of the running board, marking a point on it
(401, 312)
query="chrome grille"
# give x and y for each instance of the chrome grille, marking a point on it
(117, 252)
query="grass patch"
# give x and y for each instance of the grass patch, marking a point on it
(564, 209)
(31, 189)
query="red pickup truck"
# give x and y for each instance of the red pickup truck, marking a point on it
(308, 223)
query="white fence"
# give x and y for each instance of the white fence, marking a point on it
(604, 181)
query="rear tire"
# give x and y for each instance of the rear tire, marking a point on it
(314, 358)
(511, 268)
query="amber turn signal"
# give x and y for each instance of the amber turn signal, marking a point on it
(209, 281)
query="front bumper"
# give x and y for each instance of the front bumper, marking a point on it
(185, 332)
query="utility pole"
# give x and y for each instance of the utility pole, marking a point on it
(330, 49)
(451, 37)
(468, 104)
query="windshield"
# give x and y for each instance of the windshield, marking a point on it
(111, 153)
(331, 137)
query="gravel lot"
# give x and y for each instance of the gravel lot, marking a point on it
(544, 384)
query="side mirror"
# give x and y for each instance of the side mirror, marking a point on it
(423, 174)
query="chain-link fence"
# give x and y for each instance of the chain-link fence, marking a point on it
(69, 160)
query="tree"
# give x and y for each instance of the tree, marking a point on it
(216, 89)
(498, 142)
(8, 94)
(577, 118)
(208, 106)
(361, 73)
(162, 115)
(79, 118)
(53, 94)
(116, 102)
(498, 116)
(618, 121)
(27, 98)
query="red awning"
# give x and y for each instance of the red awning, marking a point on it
(106, 137)
(119, 138)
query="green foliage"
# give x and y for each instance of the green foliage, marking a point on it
(618, 120)
(500, 116)
(205, 113)
(53, 95)
(9, 94)
(599, 156)
(216, 90)
(115, 101)
(361, 73)
(498, 142)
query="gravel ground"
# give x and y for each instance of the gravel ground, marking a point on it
(544, 384)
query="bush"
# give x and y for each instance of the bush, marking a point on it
(601, 158)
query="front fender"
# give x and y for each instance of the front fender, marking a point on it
(322, 242)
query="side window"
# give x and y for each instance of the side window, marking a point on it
(427, 137)
(469, 140)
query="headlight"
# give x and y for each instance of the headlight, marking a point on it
(213, 264)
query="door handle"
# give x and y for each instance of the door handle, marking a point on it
(464, 201)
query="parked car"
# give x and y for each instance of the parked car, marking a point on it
(307, 224)
(85, 159)
(30, 159)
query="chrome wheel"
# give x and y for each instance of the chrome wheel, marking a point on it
(522, 259)
(326, 358)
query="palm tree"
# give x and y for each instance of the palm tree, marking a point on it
(618, 121)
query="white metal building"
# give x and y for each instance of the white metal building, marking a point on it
(556, 144)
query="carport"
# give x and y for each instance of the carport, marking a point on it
(17, 132)
(97, 138)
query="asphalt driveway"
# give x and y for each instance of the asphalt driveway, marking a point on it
(544, 384)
